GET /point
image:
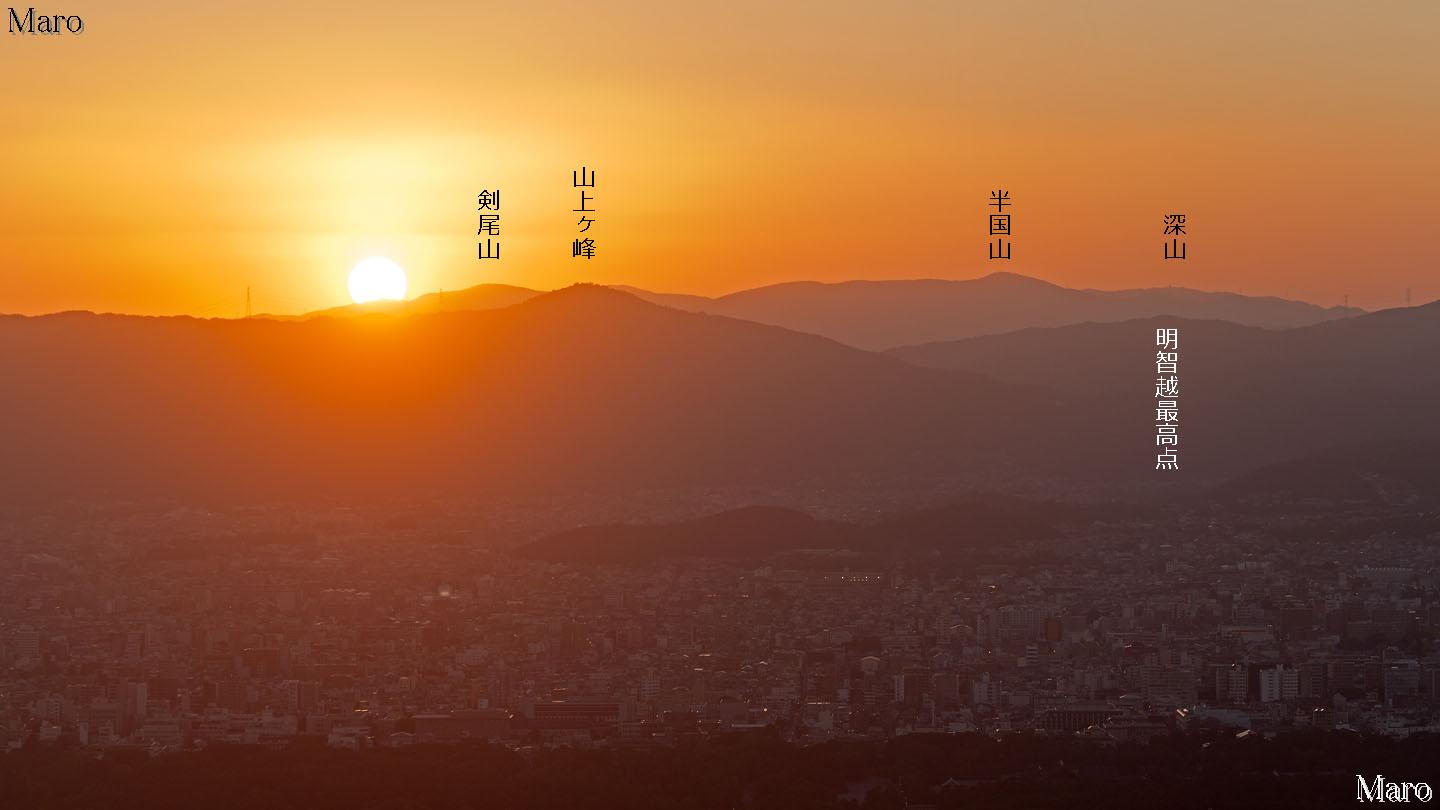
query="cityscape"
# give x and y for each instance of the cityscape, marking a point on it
(127, 627)
(938, 405)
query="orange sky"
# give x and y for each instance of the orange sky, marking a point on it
(173, 154)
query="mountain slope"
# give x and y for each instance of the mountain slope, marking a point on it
(879, 315)
(1248, 396)
(481, 296)
(585, 389)
(1383, 473)
(957, 527)
(886, 314)
(738, 532)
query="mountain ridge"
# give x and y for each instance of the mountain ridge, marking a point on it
(584, 388)
(888, 313)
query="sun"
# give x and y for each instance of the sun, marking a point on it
(376, 278)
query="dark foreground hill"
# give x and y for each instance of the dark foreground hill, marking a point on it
(1392, 473)
(585, 389)
(756, 769)
(1249, 396)
(977, 522)
(593, 390)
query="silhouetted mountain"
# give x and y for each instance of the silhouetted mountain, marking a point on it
(1386, 473)
(1248, 396)
(481, 296)
(752, 530)
(966, 524)
(590, 389)
(689, 303)
(583, 389)
(1087, 359)
(887, 314)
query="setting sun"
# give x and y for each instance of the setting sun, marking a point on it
(377, 278)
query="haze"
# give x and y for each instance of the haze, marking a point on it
(174, 155)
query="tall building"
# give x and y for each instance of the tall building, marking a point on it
(1168, 688)
(984, 692)
(1279, 683)
(26, 644)
(232, 695)
(1313, 683)
(1401, 679)
(1232, 684)
(911, 685)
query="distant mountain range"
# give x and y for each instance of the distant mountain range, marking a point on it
(481, 296)
(585, 389)
(886, 314)
(1249, 396)
(590, 389)
(960, 526)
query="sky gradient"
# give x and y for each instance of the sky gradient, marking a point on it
(174, 155)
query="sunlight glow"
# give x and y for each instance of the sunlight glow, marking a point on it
(376, 278)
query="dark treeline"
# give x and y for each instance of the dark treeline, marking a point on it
(743, 770)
